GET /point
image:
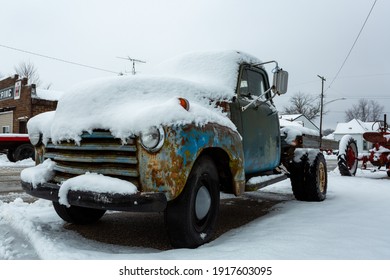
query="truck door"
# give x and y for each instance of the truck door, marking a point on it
(259, 123)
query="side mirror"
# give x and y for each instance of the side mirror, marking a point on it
(280, 82)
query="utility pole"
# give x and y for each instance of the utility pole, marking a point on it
(132, 60)
(322, 106)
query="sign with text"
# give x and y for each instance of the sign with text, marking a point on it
(7, 93)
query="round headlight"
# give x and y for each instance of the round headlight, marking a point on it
(153, 139)
(35, 138)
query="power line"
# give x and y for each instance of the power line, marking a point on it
(58, 59)
(353, 45)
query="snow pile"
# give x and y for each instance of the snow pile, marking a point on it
(293, 131)
(94, 183)
(308, 153)
(126, 105)
(261, 179)
(39, 174)
(4, 162)
(41, 124)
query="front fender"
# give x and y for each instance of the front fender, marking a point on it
(167, 170)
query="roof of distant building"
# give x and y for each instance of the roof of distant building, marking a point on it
(356, 127)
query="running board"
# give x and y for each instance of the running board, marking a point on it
(260, 182)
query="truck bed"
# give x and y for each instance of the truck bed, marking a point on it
(311, 141)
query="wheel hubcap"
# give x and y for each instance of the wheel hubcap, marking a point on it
(351, 158)
(202, 203)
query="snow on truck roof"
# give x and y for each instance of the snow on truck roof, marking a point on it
(46, 94)
(126, 105)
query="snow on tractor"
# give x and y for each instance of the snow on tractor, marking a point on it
(378, 156)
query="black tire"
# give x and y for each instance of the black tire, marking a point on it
(78, 215)
(309, 181)
(347, 159)
(191, 217)
(298, 173)
(317, 179)
(10, 155)
(24, 151)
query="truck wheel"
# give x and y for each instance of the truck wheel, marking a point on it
(78, 215)
(347, 159)
(298, 173)
(317, 179)
(191, 217)
(309, 181)
(24, 151)
(10, 155)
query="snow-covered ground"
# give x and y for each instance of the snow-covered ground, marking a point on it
(4, 162)
(352, 223)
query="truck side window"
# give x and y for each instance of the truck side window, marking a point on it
(252, 83)
(255, 82)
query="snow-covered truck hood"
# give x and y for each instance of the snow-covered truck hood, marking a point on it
(127, 105)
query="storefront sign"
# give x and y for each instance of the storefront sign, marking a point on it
(7, 93)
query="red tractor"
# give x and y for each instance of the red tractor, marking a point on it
(378, 156)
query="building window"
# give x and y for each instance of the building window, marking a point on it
(6, 129)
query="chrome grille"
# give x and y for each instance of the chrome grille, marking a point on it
(98, 152)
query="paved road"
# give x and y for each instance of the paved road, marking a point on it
(10, 179)
(331, 164)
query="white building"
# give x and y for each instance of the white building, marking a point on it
(300, 119)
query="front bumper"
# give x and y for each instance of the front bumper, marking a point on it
(139, 202)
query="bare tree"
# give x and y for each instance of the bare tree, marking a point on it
(29, 71)
(303, 103)
(365, 110)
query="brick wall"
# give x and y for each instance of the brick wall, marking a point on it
(26, 107)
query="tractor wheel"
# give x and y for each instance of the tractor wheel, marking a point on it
(78, 215)
(347, 159)
(309, 180)
(191, 217)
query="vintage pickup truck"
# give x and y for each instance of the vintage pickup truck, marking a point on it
(200, 124)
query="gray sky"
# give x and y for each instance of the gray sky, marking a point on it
(307, 38)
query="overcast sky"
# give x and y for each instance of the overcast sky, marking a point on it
(307, 38)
